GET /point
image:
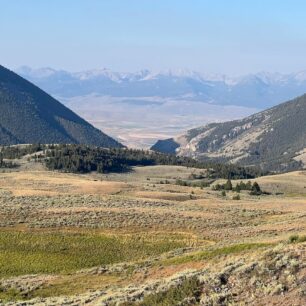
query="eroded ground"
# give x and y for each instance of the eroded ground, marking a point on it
(138, 238)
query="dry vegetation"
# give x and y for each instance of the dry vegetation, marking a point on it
(133, 239)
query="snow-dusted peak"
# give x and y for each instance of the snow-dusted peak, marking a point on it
(258, 90)
(300, 76)
(272, 77)
(98, 73)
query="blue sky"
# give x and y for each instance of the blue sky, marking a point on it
(214, 36)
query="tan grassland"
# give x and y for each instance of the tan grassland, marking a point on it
(134, 238)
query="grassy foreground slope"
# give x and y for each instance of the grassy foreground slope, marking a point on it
(132, 239)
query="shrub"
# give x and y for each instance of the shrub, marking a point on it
(236, 197)
(174, 295)
(218, 187)
(255, 189)
(293, 238)
(296, 239)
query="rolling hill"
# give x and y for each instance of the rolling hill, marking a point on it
(274, 139)
(29, 115)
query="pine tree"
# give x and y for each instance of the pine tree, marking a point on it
(228, 185)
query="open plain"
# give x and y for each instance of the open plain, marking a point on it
(139, 238)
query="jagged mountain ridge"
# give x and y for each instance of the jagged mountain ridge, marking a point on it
(259, 90)
(29, 115)
(275, 139)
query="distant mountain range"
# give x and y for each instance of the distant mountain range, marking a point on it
(274, 139)
(259, 91)
(29, 115)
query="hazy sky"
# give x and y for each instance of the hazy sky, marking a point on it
(213, 36)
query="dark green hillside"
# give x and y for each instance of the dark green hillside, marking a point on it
(29, 115)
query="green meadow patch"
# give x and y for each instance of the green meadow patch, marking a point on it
(209, 254)
(63, 252)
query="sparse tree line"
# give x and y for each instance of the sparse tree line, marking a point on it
(228, 186)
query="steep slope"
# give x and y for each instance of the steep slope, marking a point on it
(274, 139)
(29, 115)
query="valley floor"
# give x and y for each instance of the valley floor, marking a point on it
(139, 239)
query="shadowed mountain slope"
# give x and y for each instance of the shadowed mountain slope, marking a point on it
(29, 115)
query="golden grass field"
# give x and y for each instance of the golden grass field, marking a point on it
(133, 239)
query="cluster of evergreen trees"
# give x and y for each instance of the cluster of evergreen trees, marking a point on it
(253, 188)
(77, 158)
(18, 151)
(231, 171)
(80, 158)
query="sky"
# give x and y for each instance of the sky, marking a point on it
(231, 37)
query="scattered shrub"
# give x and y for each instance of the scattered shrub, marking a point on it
(236, 197)
(296, 239)
(176, 294)
(255, 189)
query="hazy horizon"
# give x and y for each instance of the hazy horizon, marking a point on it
(164, 70)
(221, 37)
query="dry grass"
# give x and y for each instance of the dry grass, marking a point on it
(291, 184)
(53, 183)
(162, 195)
(135, 204)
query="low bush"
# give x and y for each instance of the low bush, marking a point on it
(236, 197)
(296, 239)
(190, 288)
